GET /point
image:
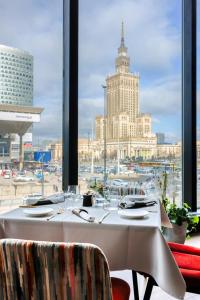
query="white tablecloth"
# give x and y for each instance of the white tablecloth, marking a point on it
(128, 244)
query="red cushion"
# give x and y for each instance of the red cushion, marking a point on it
(188, 261)
(120, 289)
(184, 248)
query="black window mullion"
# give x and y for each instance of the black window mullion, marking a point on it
(189, 153)
(70, 93)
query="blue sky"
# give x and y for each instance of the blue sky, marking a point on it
(153, 38)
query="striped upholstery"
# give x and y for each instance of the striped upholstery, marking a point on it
(52, 271)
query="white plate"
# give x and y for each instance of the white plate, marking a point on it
(135, 197)
(133, 214)
(38, 211)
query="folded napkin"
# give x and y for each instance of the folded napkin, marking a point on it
(135, 204)
(83, 214)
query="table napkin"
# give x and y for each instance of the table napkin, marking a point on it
(83, 214)
(136, 204)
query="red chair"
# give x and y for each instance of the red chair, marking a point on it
(120, 289)
(188, 261)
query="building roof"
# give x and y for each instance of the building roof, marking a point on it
(21, 109)
(18, 119)
(8, 48)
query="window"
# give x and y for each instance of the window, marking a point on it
(105, 146)
(33, 44)
(134, 84)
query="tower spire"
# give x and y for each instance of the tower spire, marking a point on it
(122, 61)
(122, 35)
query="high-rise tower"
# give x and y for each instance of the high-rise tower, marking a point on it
(16, 76)
(123, 120)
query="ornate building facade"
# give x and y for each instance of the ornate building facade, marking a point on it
(128, 131)
(125, 126)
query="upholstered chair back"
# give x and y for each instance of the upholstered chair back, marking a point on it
(32, 270)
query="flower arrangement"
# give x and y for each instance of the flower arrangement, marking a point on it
(98, 187)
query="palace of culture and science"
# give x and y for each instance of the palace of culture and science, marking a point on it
(124, 120)
(126, 130)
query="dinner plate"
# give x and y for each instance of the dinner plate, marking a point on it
(135, 198)
(133, 214)
(38, 211)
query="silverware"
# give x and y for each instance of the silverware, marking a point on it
(103, 217)
(77, 212)
(60, 211)
(27, 206)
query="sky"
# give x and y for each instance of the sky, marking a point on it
(153, 38)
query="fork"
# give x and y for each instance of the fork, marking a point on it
(103, 217)
(60, 211)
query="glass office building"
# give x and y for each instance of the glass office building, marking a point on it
(16, 76)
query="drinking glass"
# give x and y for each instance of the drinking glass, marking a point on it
(72, 199)
(112, 200)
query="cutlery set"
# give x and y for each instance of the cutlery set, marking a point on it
(88, 218)
(60, 211)
(85, 216)
(79, 212)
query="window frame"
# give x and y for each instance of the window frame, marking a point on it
(189, 100)
(70, 94)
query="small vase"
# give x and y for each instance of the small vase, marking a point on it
(177, 234)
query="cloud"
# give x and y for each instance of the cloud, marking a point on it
(36, 26)
(51, 122)
(162, 97)
(156, 120)
(153, 42)
(152, 35)
(89, 108)
(170, 137)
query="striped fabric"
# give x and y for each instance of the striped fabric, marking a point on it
(52, 271)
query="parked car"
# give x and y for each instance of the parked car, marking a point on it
(119, 182)
(7, 174)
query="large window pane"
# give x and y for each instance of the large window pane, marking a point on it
(30, 99)
(130, 94)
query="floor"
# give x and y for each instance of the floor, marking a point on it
(157, 293)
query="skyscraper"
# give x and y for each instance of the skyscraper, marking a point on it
(16, 87)
(16, 76)
(123, 117)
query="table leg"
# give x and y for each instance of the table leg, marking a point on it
(135, 285)
(149, 288)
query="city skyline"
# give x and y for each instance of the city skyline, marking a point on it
(154, 42)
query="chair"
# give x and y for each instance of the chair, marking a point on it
(188, 261)
(56, 271)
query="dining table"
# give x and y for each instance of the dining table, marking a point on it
(128, 243)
